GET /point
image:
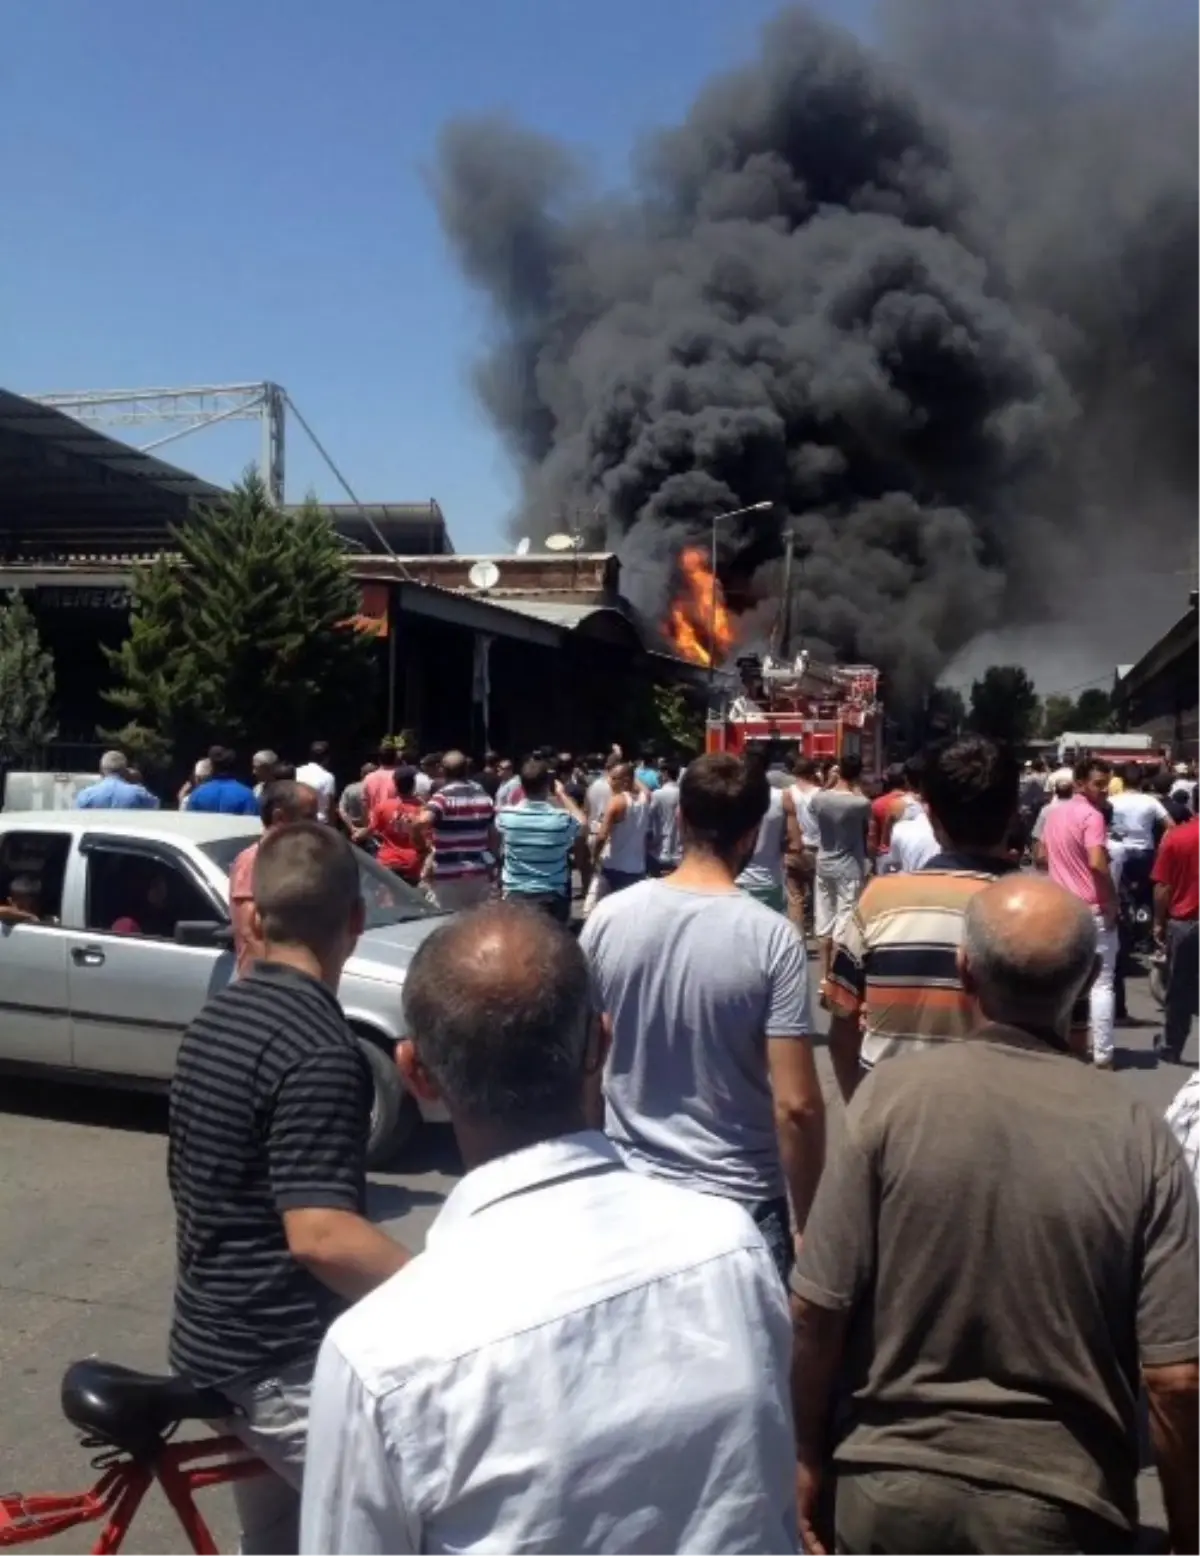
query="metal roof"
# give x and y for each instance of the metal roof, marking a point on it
(559, 613)
(63, 484)
(410, 528)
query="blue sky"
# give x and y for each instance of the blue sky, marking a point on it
(229, 191)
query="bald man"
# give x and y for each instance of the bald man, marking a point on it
(1003, 1249)
(461, 817)
(584, 1358)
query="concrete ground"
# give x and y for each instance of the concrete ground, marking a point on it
(86, 1233)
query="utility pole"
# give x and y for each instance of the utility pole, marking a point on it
(782, 635)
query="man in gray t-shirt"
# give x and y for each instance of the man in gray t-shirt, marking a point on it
(710, 1079)
(842, 815)
(666, 849)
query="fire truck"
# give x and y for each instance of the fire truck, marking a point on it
(802, 708)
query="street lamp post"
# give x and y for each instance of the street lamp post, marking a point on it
(719, 518)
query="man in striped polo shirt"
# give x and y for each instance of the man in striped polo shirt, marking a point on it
(894, 983)
(538, 836)
(267, 1166)
(461, 817)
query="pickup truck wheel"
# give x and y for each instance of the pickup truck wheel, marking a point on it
(394, 1112)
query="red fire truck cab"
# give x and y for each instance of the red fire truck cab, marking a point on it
(803, 708)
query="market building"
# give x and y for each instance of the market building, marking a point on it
(1158, 696)
(523, 649)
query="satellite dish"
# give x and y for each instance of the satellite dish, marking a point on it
(523, 546)
(484, 575)
(561, 542)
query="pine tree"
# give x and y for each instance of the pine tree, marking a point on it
(246, 636)
(26, 685)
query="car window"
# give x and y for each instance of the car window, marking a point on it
(32, 868)
(146, 895)
(388, 899)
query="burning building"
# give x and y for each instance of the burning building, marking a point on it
(698, 625)
(851, 283)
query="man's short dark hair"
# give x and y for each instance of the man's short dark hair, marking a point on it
(306, 885)
(851, 767)
(387, 753)
(806, 768)
(405, 782)
(498, 1002)
(319, 751)
(914, 771)
(893, 778)
(670, 768)
(721, 798)
(222, 760)
(1088, 765)
(1133, 775)
(535, 778)
(971, 786)
(280, 803)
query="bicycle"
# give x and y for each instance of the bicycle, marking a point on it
(130, 1417)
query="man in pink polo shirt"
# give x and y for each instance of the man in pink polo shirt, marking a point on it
(1075, 840)
(282, 802)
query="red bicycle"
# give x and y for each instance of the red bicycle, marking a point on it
(130, 1418)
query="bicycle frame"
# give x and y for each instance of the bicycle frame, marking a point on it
(181, 1469)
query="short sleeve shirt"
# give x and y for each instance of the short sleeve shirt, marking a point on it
(1054, 1224)
(1071, 829)
(695, 983)
(270, 1106)
(538, 838)
(241, 905)
(1177, 867)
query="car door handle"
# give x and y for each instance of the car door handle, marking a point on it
(87, 956)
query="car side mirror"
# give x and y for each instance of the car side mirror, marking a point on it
(209, 932)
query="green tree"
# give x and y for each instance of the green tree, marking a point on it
(1057, 713)
(245, 636)
(1005, 705)
(26, 685)
(1092, 712)
(662, 718)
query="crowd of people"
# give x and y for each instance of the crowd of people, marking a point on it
(651, 1316)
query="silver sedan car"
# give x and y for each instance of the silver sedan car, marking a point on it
(132, 936)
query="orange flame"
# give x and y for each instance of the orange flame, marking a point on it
(698, 623)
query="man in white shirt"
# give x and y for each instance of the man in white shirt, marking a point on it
(584, 1358)
(1139, 820)
(913, 843)
(314, 774)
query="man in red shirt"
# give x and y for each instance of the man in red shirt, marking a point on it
(1176, 878)
(282, 803)
(380, 785)
(398, 822)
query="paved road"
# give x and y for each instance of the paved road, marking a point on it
(86, 1231)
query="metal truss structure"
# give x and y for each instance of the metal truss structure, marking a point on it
(202, 406)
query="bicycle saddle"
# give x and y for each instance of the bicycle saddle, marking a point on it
(134, 1410)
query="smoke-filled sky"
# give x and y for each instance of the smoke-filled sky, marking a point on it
(935, 299)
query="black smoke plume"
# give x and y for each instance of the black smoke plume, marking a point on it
(907, 297)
